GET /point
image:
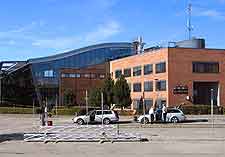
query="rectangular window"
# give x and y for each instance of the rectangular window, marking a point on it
(160, 67)
(148, 86)
(87, 75)
(137, 71)
(118, 73)
(137, 87)
(148, 103)
(102, 76)
(161, 85)
(48, 73)
(72, 75)
(205, 67)
(127, 72)
(148, 69)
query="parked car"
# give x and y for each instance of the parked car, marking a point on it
(174, 115)
(95, 116)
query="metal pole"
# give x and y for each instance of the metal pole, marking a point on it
(212, 118)
(56, 104)
(0, 90)
(102, 107)
(144, 106)
(86, 98)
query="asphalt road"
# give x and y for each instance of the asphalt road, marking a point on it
(186, 139)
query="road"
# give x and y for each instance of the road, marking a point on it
(188, 139)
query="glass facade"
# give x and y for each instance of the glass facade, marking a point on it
(45, 72)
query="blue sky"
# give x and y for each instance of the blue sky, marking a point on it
(34, 28)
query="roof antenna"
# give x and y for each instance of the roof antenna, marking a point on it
(189, 26)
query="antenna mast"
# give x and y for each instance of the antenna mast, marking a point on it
(189, 26)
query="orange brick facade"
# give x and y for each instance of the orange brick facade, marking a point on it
(179, 71)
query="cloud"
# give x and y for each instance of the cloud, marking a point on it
(209, 13)
(102, 32)
(56, 43)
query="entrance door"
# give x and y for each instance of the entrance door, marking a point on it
(202, 92)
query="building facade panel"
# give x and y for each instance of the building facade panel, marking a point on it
(181, 73)
(153, 58)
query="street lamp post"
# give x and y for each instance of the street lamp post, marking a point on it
(212, 118)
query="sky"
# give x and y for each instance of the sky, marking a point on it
(38, 28)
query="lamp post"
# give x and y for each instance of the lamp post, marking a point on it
(212, 118)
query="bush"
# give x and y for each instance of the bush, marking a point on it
(200, 109)
(15, 110)
(65, 111)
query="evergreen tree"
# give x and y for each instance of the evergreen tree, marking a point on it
(107, 90)
(122, 93)
(95, 97)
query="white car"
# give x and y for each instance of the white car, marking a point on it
(174, 115)
(109, 116)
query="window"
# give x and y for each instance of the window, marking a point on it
(102, 76)
(48, 73)
(72, 75)
(161, 85)
(205, 67)
(160, 67)
(148, 103)
(87, 75)
(136, 103)
(137, 87)
(118, 73)
(107, 112)
(137, 71)
(148, 86)
(147, 69)
(77, 75)
(173, 111)
(93, 76)
(127, 72)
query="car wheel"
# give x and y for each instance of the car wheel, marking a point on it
(174, 120)
(106, 121)
(80, 121)
(144, 120)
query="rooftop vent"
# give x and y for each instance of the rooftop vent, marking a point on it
(193, 43)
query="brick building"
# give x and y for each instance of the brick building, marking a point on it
(174, 75)
(81, 80)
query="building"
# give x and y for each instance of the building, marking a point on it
(80, 81)
(184, 73)
(37, 80)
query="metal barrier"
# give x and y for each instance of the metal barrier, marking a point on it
(78, 133)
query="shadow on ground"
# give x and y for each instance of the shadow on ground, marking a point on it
(11, 137)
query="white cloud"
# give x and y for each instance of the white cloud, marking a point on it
(56, 43)
(209, 13)
(104, 31)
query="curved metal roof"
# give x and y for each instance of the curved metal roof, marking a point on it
(80, 50)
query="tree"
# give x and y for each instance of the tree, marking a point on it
(95, 97)
(107, 90)
(122, 92)
(68, 97)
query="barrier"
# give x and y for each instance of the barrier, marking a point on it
(81, 133)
